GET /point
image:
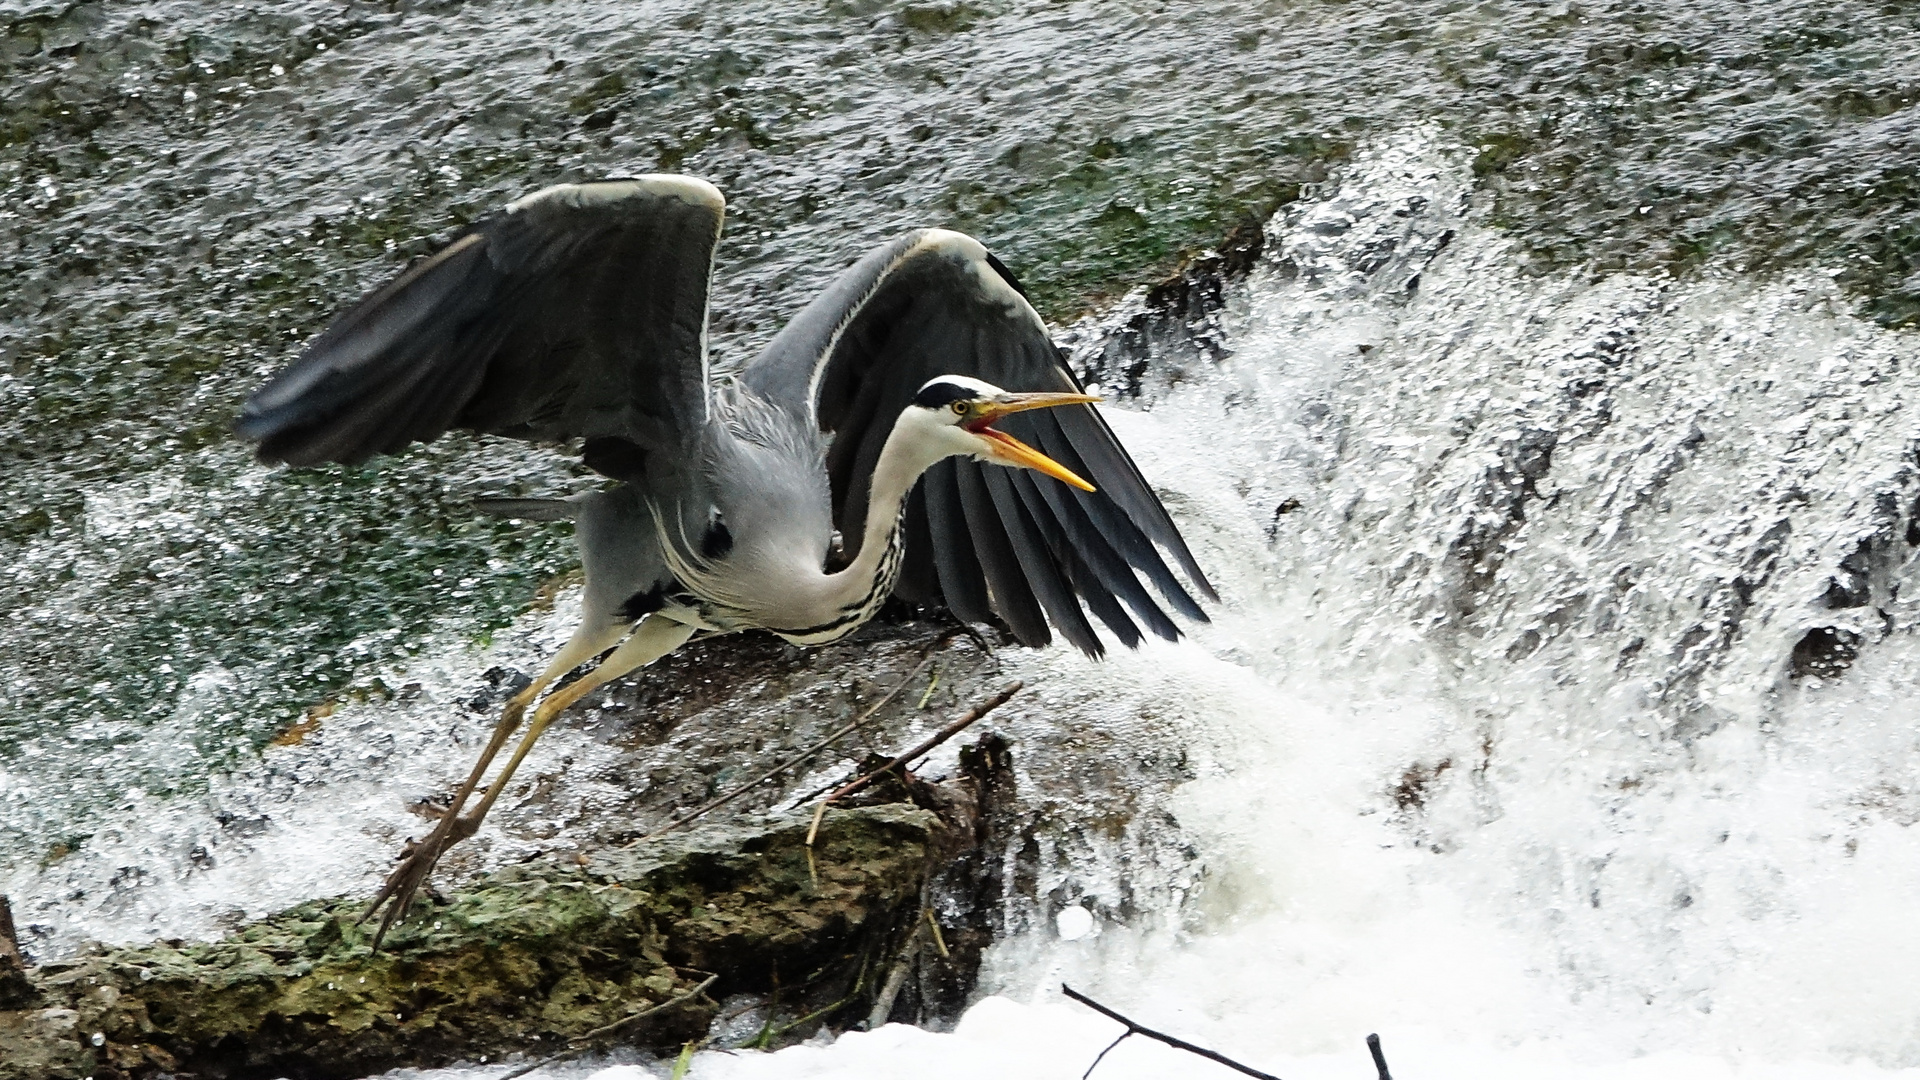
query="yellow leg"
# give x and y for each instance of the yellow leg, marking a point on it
(585, 644)
(418, 860)
(654, 638)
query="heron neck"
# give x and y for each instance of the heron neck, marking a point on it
(900, 465)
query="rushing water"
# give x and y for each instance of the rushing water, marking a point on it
(1501, 747)
(1556, 475)
(187, 190)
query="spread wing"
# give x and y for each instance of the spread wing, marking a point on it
(981, 539)
(577, 311)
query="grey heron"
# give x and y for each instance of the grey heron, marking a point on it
(580, 312)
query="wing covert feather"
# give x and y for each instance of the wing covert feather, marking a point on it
(1026, 547)
(578, 311)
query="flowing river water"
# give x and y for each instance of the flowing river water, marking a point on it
(1552, 463)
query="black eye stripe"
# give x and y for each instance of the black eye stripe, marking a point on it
(941, 394)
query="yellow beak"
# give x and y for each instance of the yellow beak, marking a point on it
(1008, 450)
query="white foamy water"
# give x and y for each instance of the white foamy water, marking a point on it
(1495, 748)
(1492, 747)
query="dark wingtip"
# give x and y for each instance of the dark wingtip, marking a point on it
(1006, 275)
(1095, 649)
(254, 423)
(267, 429)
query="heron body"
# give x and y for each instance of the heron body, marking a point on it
(913, 431)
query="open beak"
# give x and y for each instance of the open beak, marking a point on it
(1008, 450)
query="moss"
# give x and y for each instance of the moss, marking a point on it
(521, 962)
(1499, 150)
(940, 19)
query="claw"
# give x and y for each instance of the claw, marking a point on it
(417, 861)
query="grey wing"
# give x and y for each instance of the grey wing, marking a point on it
(577, 311)
(980, 538)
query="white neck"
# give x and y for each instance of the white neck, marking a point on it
(905, 456)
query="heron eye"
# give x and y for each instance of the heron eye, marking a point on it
(959, 408)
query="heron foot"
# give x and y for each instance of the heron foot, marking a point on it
(417, 861)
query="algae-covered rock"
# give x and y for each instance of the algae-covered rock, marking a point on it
(525, 960)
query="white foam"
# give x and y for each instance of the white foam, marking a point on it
(1678, 865)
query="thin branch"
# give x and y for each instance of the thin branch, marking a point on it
(16, 990)
(1103, 1054)
(790, 762)
(945, 733)
(582, 1043)
(1177, 1044)
(896, 979)
(813, 831)
(939, 939)
(966, 720)
(1379, 1059)
(824, 788)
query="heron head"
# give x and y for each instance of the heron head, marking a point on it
(959, 412)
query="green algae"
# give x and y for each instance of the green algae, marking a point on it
(524, 961)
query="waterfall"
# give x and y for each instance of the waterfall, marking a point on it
(1558, 717)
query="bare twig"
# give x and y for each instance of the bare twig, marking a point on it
(684, 1062)
(813, 831)
(1379, 1059)
(966, 720)
(1178, 1044)
(939, 939)
(945, 733)
(896, 980)
(1102, 1055)
(582, 1043)
(824, 788)
(796, 759)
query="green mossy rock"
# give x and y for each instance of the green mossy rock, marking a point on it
(524, 961)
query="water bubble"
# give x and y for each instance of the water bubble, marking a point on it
(1073, 923)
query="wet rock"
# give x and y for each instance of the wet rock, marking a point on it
(16, 990)
(1176, 320)
(523, 961)
(1823, 653)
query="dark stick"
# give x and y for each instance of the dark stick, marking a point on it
(1379, 1059)
(16, 990)
(1177, 1044)
(1103, 1054)
(966, 720)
